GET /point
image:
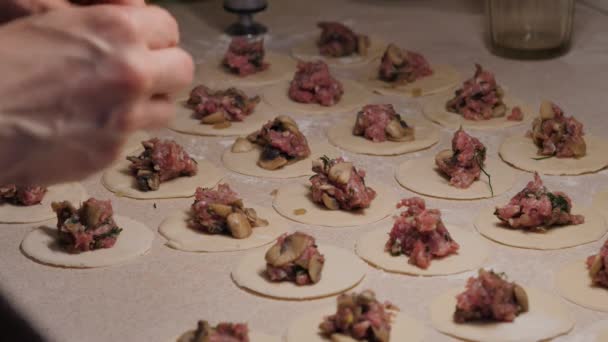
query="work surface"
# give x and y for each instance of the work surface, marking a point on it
(160, 295)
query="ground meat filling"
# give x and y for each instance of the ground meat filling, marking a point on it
(535, 208)
(337, 184)
(222, 106)
(87, 228)
(223, 332)
(162, 160)
(294, 258)
(557, 135)
(312, 83)
(490, 297)
(338, 40)
(221, 211)
(22, 195)
(598, 267)
(400, 66)
(359, 316)
(420, 234)
(480, 98)
(464, 163)
(245, 57)
(380, 122)
(281, 141)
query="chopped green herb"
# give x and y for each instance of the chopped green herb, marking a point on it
(479, 157)
(544, 157)
(558, 202)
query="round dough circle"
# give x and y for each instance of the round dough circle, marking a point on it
(472, 254)
(213, 73)
(574, 284)
(602, 336)
(136, 239)
(73, 192)
(519, 151)
(444, 77)
(293, 196)
(306, 327)
(179, 236)
(547, 318)
(354, 97)
(119, 180)
(341, 272)
(253, 337)
(600, 203)
(555, 238)
(341, 135)
(184, 122)
(246, 162)
(422, 176)
(307, 50)
(434, 109)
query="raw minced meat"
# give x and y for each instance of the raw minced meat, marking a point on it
(22, 195)
(223, 332)
(400, 66)
(380, 122)
(294, 258)
(312, 83)
(215, 107)
(337, 40)
(598, 266)
(245, 57)
(557, 135)
(464, 163)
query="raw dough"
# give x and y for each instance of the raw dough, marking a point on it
(134, 142)
(341, 272)
(602, 336)
(306, 327)
(547, 318)
(119, 180)
(253, 337)
(574, 284)
(444, 77)
(184, 122)
(214, 74)
(353, 98)
(293, 196)
(519, 151)
(136, 239)
(175, 229)
(422, 176)
(434, 109)
(307, 50)
(600, 203)
(471, 255)
(246, 162)
(555, 238)
(73, 192)
(341, 135)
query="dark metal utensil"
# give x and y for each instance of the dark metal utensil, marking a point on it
(245, 9)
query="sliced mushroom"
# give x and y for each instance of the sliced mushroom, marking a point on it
(397, 131)
(292, 248)
(596, 266)
(393, 53)
(254, 219)
(579, 147)
(341, 338)
(362, 44)
(315, 266)
(330, 202)
(213, 118)
(288, 123)
(521, 297)
(239, 225)
(381, 334)
(499, 111)
(91, 215)
(147, 180)
(221, 209)
(273, 164)
(500, 92)
(222, 125)
(241, 145)
(443, 155)
(546, 110)
(340, 172)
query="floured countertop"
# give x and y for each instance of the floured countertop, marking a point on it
(160, 295)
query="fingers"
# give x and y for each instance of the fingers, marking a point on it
(152, 114)
(154, 26)
(168, 71)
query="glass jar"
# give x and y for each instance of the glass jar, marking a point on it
(530, 28)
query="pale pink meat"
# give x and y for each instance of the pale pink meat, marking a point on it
(312, 83)
(463, 166)
(233, 103)
(601, 277)
(22, 195)
(245, 57)
(409, 67)
(337, 40)
(559, 136)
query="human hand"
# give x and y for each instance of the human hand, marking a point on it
(76, 82)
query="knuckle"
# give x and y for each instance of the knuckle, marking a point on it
(130, 76)
(116, 20)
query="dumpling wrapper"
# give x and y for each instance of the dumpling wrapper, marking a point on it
(133, 143)
(444, 77)
(600, 203)
(185, 122)
(341, 135)
(520, 152)
(574, 283)
(213, 72)
(548, 317)
(121, 182)
(434, 109)
(253, 337)
(73, 192)
(556, 237)
(472, 254)
(354, 97)
(341, 272)
(246, 162)
(307, 50)
(306, 327)
(295, 196)
(135, 240)
(423, 177)
(179, 236)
